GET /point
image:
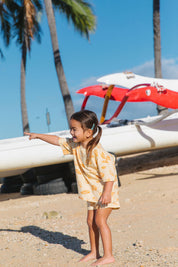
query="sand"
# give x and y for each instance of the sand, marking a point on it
(51, 230)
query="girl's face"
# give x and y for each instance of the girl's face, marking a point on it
(80, 135)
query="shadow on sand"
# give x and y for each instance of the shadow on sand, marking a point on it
(7, 196)
(156, 175)
(67, 241)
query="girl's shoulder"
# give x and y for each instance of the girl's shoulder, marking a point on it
(99, 151)
(66, 141)
(98, 147)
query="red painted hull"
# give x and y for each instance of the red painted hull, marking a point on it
(157, 95)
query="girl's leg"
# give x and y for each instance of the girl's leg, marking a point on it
(101, 222)
(94, 237)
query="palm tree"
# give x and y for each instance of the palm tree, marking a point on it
(25, 28)
(80, 13)
(157, 45)
(5, 23)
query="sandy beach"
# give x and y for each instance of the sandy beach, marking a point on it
(51, 230)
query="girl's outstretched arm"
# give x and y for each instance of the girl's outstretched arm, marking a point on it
(52, 139)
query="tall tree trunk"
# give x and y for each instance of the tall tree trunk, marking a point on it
(25, 122)
(57, 60)
(157, 45)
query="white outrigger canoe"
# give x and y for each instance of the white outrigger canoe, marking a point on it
(129, 79)
(17, 155)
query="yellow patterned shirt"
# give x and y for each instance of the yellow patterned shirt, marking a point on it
(92, 176)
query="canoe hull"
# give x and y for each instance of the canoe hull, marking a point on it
(129, 79)
(20, 154)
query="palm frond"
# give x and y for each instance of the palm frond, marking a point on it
(5, 24)
(79, 12)
(1, 54)
(26, 22)
(38, 5)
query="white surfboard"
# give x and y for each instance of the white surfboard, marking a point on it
(129, 79)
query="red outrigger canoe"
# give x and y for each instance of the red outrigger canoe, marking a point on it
(139, 93)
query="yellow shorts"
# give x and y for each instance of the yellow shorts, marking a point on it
(96, 205)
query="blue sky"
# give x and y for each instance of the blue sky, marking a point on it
(123, 41)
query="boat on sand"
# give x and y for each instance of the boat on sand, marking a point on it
(119, 137)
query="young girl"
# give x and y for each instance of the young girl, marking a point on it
(96, 179)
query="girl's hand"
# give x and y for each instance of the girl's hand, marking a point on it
(31, 135)
(51, 139)
(106, 195)
(105, 198)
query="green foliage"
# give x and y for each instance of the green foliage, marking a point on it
(79, 12)
(5, 24)
(1, 54)
(24, 20)
(15, 21)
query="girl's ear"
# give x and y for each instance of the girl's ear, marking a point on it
(89, 133)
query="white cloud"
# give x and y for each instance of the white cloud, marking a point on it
(169, 68)
(89, 81)
(84, 83)
(145, 69)
(169, 71)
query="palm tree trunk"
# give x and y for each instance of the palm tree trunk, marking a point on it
(157, 45)
(57, 60)
(22, 89)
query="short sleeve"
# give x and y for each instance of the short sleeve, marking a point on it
(67, 145)
(106, 165)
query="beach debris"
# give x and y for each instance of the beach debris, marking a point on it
(138, 244)
(51, 214)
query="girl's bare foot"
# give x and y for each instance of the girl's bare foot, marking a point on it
(90, 256)
(103, 260)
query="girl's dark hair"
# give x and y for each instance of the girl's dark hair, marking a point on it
(89, 120)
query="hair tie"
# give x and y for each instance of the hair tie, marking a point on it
(93, 126)
(97, 131)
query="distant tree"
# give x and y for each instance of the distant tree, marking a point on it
(25, 28)
(80, 13)
(157, 45)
